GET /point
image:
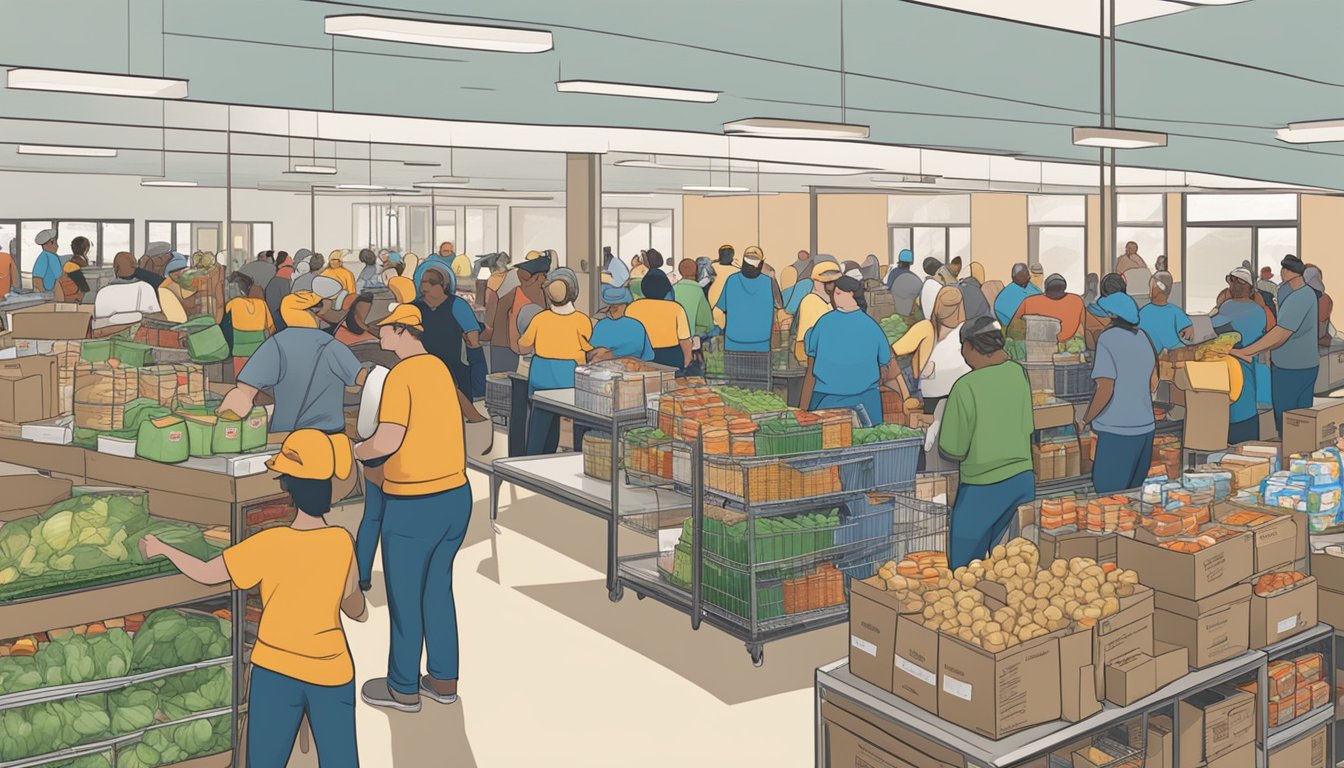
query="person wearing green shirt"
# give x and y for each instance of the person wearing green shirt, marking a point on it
(987, 426)
(691, 297)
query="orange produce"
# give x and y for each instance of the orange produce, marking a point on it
(1275, 582)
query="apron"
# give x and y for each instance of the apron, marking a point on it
(545, 373)
(871, 400)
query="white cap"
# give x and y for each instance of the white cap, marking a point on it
(1243, 274)
(326, 287)
(45, 236)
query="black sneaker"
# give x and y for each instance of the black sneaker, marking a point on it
(365, 586)
(377, 693)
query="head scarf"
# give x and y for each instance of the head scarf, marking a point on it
(1120, 305)
(446, 274)
(944, 275)
(655, 284)
(616, 294)
(302, 267)
(978, 326)
(294, 309)
(1164, 281)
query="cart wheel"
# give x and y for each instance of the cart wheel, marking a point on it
(640, 595)
(617, 592)
(757, 652)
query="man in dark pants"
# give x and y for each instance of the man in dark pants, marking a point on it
(1294, 359)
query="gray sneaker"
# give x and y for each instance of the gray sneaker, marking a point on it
(377, 693)
(428, 690)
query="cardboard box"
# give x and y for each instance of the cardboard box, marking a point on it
(1240, 757)
(1206, 387)
(1130, 679)
(995, 694)
(855, 738)
(1310, 429)
(57, 431)
(1096, 546)
(1159, 752)
(1119, 642)
(1213, 629)
(1077, 677)
(52, 321)
(1275, 542)
(1215, 723)
(116, 446)
(1247, 471)
(1327, 566)
(26, 489)
(57, 459)
(29, 389)
(1284, 614)
(1330, 607)
(872, 633)
(233, 465)
(1306, 752)
(1172, 662)
(1191, 576)
(1047, 417)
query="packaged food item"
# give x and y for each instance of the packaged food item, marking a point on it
(1310, 668)
(1188, 546)
(1278, 581)
(1282, 676)
(1320, 694)
(1282, 710)
(1302, 701)
(1247, 518)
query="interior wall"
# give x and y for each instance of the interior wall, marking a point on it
(708, 222)
(1321, 233)
(849, 227)
(998, 233)
(1175, 213)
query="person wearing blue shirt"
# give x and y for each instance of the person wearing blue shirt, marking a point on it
(1012, 295)
(846, 352)
(623, 335)
(47, 268)
(442, 261)
(1242, 312)
(748, 301)
(1164, 322)
(1121, 411)
(1294, 359)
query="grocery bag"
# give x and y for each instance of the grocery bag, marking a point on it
(200, 433)
(254, 430)
(205, 340)
(163, 439)
(228, 436)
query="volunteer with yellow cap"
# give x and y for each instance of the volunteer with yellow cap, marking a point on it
(426, 510)
(559, 340)
(301, 663)
(814, 304)
(304, 368)
(748, 301)
(247, 320)
(339, 273)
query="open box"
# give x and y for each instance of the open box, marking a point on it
(1192, 576)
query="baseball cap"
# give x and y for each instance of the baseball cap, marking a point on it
(404, 314)
(310, 454)
(826, 272)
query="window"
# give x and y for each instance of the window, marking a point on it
(1057, 236)
(106, 239)
(1056, 209)
(482, 231)
(627, 231)
(1226, 231)
(932, 226)
(186, 237)
(1212, 208)
(537, 229)
(28, 249)
(445, 226)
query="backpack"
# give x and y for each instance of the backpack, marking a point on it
(155, 264)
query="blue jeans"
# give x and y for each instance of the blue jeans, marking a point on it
(982, 513)
(277, 705)
(1243, 431)
(543, 432)
(370, 526)
(421, 536)
(1122, 461)
(1290, 389)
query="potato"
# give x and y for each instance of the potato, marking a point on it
(1059, 569)
(950, 614)
(995, 638)
(980, 612)
(1124, 590)
(1041, 591)
(999, 552)
(1076, 565)
(1109, 606)
(965, 634)
(930, 612)
(968, 580)
(978, 626)
(1053, 613)
(992, 627)
(1028, 604)
(1023, 570)
(1090, 584)
(1002, 614)
(1091, 613)
(1107, 589)
(1090, 598)
(1016, 597)
(964, 619)
(1128, 577)
(911, 605)
(965, 604)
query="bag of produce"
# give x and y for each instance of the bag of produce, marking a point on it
(205, 340)
(200, 433)
(228, 436)
(164, 440)
(254, 431)
(128, 354)
(102, 392)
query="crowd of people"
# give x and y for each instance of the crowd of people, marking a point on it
(307, 329)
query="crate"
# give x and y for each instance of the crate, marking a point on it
(170, 384)
(894, 462)
(798, 439)
(498, 394)
(1041, 328)
(612, 387)
(747, 369)
(881, 305)
(597, 455)
(1041, 351)
(101, 394)
(1041, 376)
(837, 426)
(1074, 379)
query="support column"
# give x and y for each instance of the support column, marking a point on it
(583, 226)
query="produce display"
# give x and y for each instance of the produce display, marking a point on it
(750, 401)
(84, 540)
(883, 433)
(178, 743)
(894, 327)
(1039, 601)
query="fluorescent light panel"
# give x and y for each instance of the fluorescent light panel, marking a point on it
(476, 37)
(1312, 132)
(361, 187)
(601, 88)
(745, 166)
(903, 180)
(445, 179)
(97, 83)
(1206, 2)
(326, 170)
(1117, 138)
(794, 129)
(441, 184)
(50, 149)
(166, 183)
(712, 188)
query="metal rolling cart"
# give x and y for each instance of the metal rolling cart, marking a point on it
(748, 563)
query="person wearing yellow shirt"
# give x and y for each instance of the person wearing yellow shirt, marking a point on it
(815, 304)
(559, 341)
(301, 663)
(247, 320)
(665, 322)
(463, 267)
(170, 291)
(339, 273)
(723, 269)
(426, 507)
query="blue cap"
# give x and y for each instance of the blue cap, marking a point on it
(1120, 305)
(906, 256)
(394, 258)
(616, 294)
(177, 262)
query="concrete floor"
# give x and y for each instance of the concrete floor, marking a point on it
(553, 673)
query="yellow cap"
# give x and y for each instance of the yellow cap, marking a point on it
(402, 288)
(533, 255)
(826, 272)
(335, 255)
(294, 309)
(753, 252)
(309, 454)
(404, 314)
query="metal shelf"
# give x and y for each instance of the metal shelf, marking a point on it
(107, 744)
(1299, 727)
(1316, 634)
(39, 695)
(1023, 745)
(562, 402)
(560, 476)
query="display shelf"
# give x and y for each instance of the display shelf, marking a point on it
(38, 614)
(562, 402)
(1299, 727)
(1316, 634)
(71, 753)
(835, 678)
(39, 695)
(560, 476)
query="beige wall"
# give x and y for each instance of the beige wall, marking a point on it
(849, 227)
(998, 233)
(708, 222)
(1094, 230)
(1175, 233)
(1322, 233)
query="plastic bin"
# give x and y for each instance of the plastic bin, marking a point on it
(597, 455)
(1042, 328)
(747, 369)
(1073, 379)
(1041, 376)
(498, 394)
(894, 462)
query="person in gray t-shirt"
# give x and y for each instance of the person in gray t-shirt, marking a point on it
(1294, 359)
(1121, 411)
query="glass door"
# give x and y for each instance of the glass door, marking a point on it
(1210, 253)
(1271, 245)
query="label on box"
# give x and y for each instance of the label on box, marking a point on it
(175, 436)
(957, 688)
(921, 674)
(1288, 623)
(863, 645)
(230, 433)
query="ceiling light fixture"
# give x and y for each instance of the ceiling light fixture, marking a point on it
(712, 188)
(97, 83)
(601, 88)
(1312, 132)
(904, 180)
(446, 183)
(51, 149)
(795, 169)
(473, 36)
(1117, 138)
(770, 127)
(361, 187)
(421, 163)
(326, 170)
(1206, 2)
(166, 183)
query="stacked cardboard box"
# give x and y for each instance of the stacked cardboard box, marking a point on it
(1327, 567)
(1311, 429)
(1218, 728)
(1307, 752)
